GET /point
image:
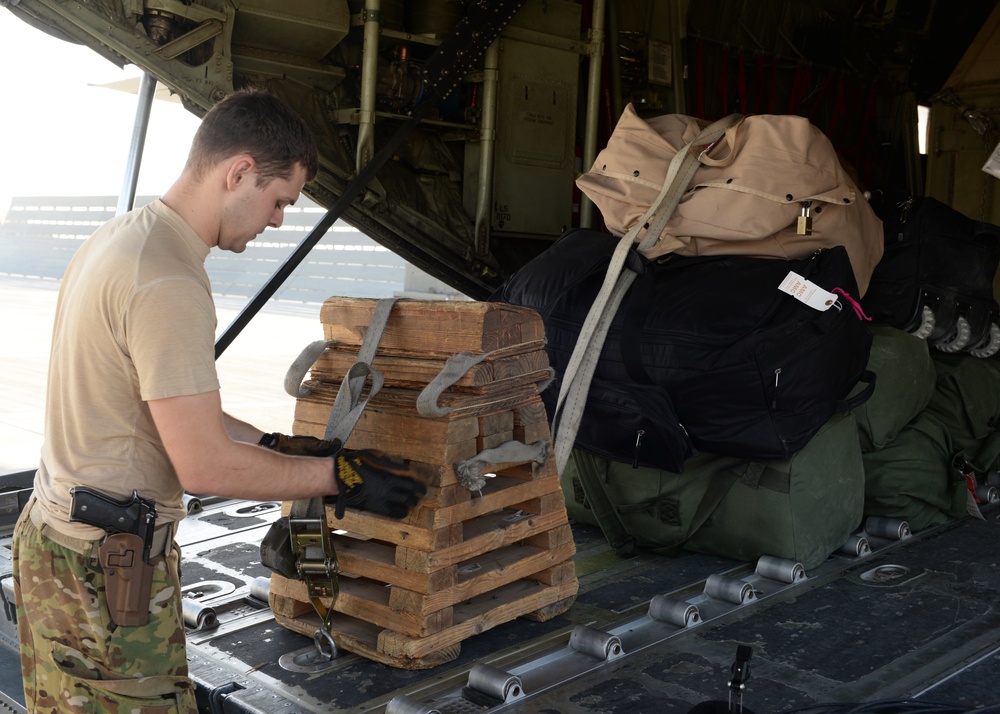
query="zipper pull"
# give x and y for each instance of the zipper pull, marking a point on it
(638, 444)
(774, 399)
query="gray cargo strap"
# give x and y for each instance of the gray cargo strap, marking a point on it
(470, 471)
(296, 373)
(454, 368)
(348, 405)
(583, 361)
(312, 542)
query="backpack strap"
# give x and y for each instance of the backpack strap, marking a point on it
(851, 403)
(605, 512)
(583, 361)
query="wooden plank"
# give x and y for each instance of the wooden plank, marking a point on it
(409, 445)
(507, 527)
(424, 528)
(492, 441)
(284, 605)
(438, 497)
(498, 529)
(443, 585)
(551, 538)
(477, 615)
(377, 560)
(366, 601)
(499, 492)
(483, 574)
(369, 601)
(498, 423)
(416, 371)
(312, 413)
(564, 572)
(441, 539)
(547, 612)
(360, 637)
(531, 422)
(472, 326)
(449, 505)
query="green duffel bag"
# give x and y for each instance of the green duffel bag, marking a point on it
(967, 401)
(645, 507)
(801, 509)
(913, 478)
(906, 378)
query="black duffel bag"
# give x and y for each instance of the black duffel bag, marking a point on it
(935, 278)
(748, 370)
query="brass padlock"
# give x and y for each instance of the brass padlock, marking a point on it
(804, 224)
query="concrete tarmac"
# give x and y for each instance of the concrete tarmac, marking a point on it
(251, 370)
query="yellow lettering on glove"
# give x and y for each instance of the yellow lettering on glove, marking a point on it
(348, 475)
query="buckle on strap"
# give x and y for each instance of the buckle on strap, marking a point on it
(316, 561)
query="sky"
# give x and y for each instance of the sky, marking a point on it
(61, 134)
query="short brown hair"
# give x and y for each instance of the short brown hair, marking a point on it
(258, 123)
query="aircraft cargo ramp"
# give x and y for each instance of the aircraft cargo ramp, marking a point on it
(915, 617)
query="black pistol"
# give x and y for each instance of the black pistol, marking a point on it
(136, 516)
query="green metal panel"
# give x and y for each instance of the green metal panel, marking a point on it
(305, 29)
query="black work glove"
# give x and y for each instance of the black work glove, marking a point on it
(300, 445)
(371, 480)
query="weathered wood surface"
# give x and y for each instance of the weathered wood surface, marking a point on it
(529, 363)
(436, 328)
(390, 422)
(461, 562)
(419, 613)
(513, 510)
(531, 598)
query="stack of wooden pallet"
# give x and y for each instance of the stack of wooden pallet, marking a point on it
(463, 561)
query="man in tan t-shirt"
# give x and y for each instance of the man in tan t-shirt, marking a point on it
(133, 406)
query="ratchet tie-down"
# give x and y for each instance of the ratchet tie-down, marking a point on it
(316, 562)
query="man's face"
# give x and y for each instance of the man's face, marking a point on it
(255, 208)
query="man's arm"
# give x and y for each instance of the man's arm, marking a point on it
(209, 453)
(240, 430)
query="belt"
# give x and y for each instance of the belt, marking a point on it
(163, 536)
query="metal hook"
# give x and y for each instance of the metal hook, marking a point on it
(320, 638)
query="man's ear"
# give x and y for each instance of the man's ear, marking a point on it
(241, 169)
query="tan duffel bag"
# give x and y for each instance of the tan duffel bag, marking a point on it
(748, 195)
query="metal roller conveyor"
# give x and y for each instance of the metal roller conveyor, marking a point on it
(595, 643)
(721, 595)
(784, 571)
(495, 683)
(731, 590)
(888, 528)
(192, 504)
(987, 494)
(198, 616)
(673, 612)
(856, 546)
(405, 705)
(260, 588)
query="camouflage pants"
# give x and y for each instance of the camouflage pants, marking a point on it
(73, 658)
